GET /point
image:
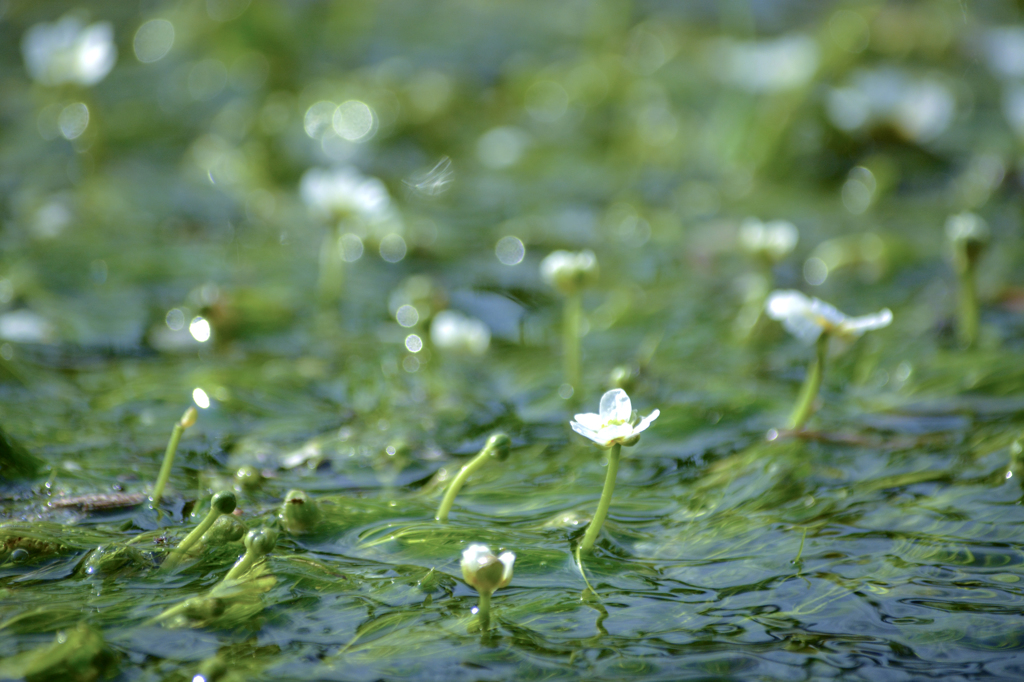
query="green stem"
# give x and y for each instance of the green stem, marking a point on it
(484, 610)
(192, 538)
(186, 421)
(247, 561)
(332, 270)
(571, 323)
(967, 329)
(594, 529)
(812, 384)
(458, 482)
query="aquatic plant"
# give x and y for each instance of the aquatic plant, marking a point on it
(221, 503)
(259, 542)
(615, 425)
(570, 273)
(497, 446)
(811, 320)
(299, 512)
(187, 420)
(968, 236)
(486, 573)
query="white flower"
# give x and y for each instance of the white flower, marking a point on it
(807, 318)
(967, 228)
(484, 571)
(617, 422)
(568, 271)
(68, 51)
(775, 239)
(452, 330)
(343, 192)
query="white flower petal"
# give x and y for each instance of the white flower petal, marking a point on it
(786, 303)
(615, 406)
(855, 326)
(646, 421)
(590, 421)
(585, 432)
(828, 313)
(507, 559)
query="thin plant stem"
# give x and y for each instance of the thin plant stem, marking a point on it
(484, 611)
(192, 538)
(247, 561)
(459, 481)
(967, 310)
(812, 384)
(594, 529)
(187, 420)
(571, 323)
(332, 269)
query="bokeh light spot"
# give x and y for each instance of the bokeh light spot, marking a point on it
(153, 40)
(73, 120)
(354, 121)
(407, 316)
(200, 330)
(510, 250)
(200, 398)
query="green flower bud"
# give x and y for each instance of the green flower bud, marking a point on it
(484, 571)
(499, 445)
(223, 502)
(299, 512)
(260, 541)
(248, 478)
(225, 529)
(569, 272)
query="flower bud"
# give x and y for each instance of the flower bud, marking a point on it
(189, 418)
(299, 512)
(484, 571)
(499, 445)
(225, 529)
(260, 541)
(569, 272)
(224, 502)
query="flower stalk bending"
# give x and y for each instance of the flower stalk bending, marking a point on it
(187, 420)
(616, 424)
(811, 320)
(497, 446)
(812, 385)
(220, 504)
(258, 544)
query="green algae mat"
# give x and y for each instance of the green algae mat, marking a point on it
(705, 319)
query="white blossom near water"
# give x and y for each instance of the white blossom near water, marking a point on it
(616, 421)
(807, 318)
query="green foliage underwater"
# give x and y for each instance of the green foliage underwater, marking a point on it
(341, 250)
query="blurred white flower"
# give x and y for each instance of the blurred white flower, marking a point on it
(484, 571)
(807, 318)
(616, 423)
(774, 65)
(68, 51)
(775, 239)
(920, 109)
(967, 228)
(452, 330)
(569, 271)
(25, 326)
(344, 192)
